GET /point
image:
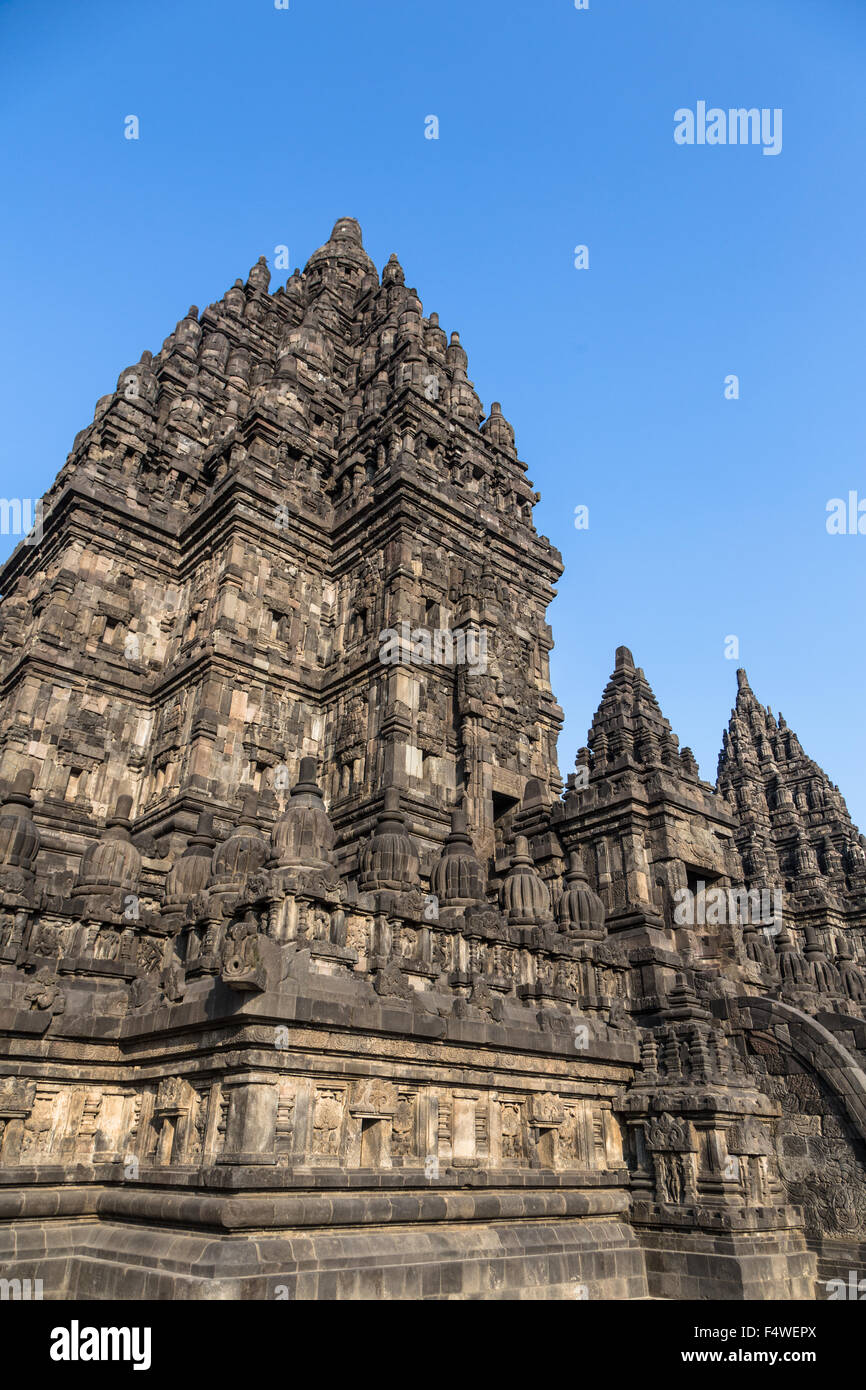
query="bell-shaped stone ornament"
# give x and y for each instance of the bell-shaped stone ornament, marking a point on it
(579, 910)
(190, 874)
(242, 854)
(112, 862)
(303, 836)
(458, 879)
(389, 859)
(524, 895)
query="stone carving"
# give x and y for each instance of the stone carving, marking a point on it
(333, 878)
(547, 1108)
(327, 1122)
(511, 1122)
(45, 994)
(248, 956)
(375, 1096)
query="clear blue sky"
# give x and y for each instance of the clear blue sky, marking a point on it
(259, 127)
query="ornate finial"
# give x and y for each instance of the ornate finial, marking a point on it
(524, 895)
(190, 874)
(579, 910)
(393, 272)
(347, 229)
(497, 428)
(455, 354)
(307, 778)
(689, 762)
(204, 828)
(575, 866)
(624, 659)
(260, 275)
(19, 793)
(303, 835)
(389, 859)
(111, 862)
(458, 877)
(121, 812)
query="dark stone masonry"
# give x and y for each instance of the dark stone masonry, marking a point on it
(314, 980)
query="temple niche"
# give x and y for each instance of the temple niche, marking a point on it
(299, 926)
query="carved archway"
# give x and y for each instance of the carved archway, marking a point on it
(820, 1137)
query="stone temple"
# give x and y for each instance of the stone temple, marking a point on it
(315, 982)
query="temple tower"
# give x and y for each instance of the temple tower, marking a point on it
(292, 532)
(792, 821)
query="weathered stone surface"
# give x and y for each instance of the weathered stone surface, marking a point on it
(314, 983)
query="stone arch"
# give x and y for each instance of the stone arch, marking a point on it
(816, 1045)
(820, 1135)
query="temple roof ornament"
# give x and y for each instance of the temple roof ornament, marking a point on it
(524, 896)
(458, 877)
(112, 862)
(19, 837)
(579, 909)
(389, 859)
(243, 853)
(303, 836)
